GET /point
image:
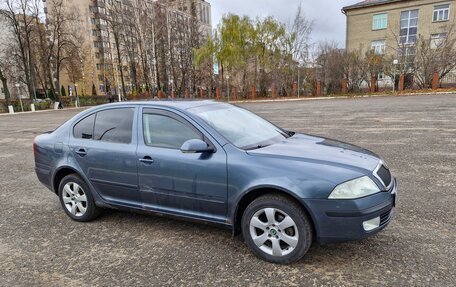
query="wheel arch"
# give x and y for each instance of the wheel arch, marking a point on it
(256, 192)
(60, 174)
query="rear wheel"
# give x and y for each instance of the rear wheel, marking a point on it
(76, 199)
(276, 229)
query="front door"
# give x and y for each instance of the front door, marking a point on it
(193, 185)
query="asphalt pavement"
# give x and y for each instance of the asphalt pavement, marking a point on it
(416, 135)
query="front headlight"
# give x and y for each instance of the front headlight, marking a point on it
(355, 188)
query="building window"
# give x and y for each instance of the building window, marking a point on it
(441, 13)
(409, 27)
(380, 21)
(378, 47)
(208, 15)
(437, 40)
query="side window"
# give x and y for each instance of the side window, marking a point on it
(84, 129)
(166, 132)
(114, 125)
(380, 21)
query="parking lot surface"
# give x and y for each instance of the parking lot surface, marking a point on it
(416, 135)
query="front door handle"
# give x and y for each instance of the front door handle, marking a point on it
(81, 151)
(147, 160)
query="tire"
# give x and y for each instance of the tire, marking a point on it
(77, 200)
(269, 232)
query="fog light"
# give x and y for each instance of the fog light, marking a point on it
(371, 224)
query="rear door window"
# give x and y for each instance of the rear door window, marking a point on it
(114, 125)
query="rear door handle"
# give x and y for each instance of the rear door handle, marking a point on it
(147, 160)
(81, 151)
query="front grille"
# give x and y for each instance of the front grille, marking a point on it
(384, 174)
(385, 218)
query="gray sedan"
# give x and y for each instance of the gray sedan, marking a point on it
(217, 163)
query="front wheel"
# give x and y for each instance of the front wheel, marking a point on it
(276, 229)
(77, 200)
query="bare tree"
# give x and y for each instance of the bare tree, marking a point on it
(41, 50)
(114, 19)
(18, 15)
(62, 23)
(74, 64)
(300, 31)
(354, 69)
(331, 66)
(4, 81)
(374, 66)
(435, 55)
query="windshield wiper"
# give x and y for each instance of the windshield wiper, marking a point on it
(288, 134)
(257, 146)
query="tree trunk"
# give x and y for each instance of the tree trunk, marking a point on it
(119, 63)
(5, 87)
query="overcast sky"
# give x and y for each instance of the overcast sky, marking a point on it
(329, 22)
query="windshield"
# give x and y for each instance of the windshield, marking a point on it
(242, 128)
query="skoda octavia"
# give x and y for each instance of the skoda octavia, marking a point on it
(217, 163)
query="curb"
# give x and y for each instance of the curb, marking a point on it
(41, 111)
(274, 100)
(344, 97)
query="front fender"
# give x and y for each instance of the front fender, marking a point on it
(281, 184)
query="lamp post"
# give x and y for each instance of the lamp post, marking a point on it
(299, 82)
(19, 96)
(395, 62)
(228, 87)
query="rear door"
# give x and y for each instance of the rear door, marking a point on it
(170, 181)
(104, 146)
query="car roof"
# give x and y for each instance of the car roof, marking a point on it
(177, 104)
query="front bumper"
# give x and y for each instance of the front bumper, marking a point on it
(342, 220)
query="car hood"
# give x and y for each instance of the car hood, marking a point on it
(317, 149)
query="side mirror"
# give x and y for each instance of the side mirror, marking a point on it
(196, 146)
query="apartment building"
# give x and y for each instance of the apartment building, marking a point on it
(382, 25)
(199, 9)
(101, 67)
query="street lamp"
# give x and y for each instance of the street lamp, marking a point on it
(19, 96)
(395, 62)
(228, 87)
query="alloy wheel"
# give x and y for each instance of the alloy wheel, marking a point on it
(274, 232)
(74, 199)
